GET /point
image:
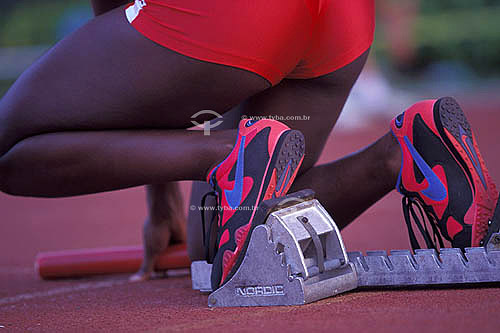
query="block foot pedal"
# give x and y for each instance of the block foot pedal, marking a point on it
(426, 267)
(295, 257)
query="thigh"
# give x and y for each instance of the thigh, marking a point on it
(106, 75)
(309, 105)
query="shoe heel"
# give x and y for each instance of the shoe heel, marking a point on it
(452, 118)
(449, 115)
(291, 150)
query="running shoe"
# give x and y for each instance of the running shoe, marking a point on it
(443, 176)
(262, 165)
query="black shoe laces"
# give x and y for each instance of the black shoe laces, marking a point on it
(410, 208)
(215, 217)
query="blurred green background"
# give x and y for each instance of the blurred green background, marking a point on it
(460, 38)
(29, 27)
(463, 31)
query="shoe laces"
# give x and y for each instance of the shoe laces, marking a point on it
(215, 217)
(412, 205)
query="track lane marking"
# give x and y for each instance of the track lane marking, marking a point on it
(61, 290)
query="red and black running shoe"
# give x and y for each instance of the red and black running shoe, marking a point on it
(262, 165)
(443, 174)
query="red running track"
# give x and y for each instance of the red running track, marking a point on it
(110, 303)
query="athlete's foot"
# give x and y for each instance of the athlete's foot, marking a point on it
(443, 172)
(165, 225)
(262, 165)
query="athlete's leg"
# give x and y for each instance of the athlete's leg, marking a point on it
(349, 186)
(346, 187)
(98, 111)
(165, 222)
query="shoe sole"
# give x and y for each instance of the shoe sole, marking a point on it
(452, 124)
(290, 148)
(286, 163)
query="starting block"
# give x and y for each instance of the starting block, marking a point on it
(296, 256)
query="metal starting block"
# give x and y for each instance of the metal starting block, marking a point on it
(296, 256)
(426, 267)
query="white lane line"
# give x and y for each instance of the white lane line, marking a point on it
(62, 290)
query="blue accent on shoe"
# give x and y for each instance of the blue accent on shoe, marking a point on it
(279, 184)
(233, 196)
(210, 175)
(250, 122)
(436, 190)
(474, 158)
(399, 120)
(398, 182)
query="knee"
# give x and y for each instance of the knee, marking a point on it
(10, 135)
(7, 163)
(19, 113)
(16, 175)
(4, 176)
(3, 165)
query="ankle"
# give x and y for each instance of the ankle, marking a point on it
(223, 145)
(392, 156)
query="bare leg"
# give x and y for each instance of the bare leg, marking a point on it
(346, 187)
(165, 223)
(74, 163)
(349, 186)
(89, 117)
(113, 128)
(77, 122)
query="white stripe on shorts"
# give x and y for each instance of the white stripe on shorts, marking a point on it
(133, 11)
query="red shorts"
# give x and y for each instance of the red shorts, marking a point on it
(275, 39)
